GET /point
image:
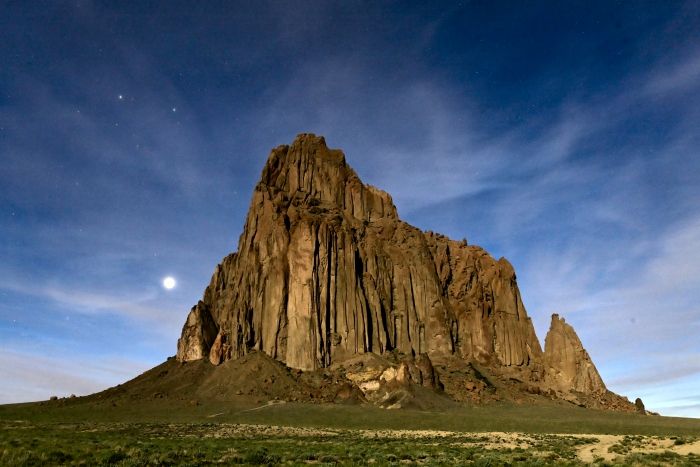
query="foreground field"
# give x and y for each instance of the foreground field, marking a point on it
(179, 433)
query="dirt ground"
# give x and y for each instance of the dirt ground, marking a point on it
(645, 445)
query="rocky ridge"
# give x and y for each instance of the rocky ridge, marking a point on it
(326, 276)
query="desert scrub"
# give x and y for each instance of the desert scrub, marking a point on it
(658, 458)
(179, 444)
(681, 440)
(559, 447)
(628, 443)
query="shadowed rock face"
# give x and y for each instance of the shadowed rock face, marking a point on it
(326, 271)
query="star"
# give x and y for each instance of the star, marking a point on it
(121, 97)
(174, 109)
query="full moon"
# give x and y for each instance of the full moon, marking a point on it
(169, 282)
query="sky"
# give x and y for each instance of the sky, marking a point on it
(561, 135)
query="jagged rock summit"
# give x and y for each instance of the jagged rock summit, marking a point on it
(327, 273)
(567, 362)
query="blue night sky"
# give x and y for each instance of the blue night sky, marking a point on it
(562, 135)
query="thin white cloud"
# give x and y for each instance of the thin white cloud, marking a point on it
(677, 78)
(659, 370)
(35, 376)
(135, 307)
(640, 321)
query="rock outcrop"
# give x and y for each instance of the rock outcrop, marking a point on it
(567, 364)
(326, 271)
(198, 334)
(639, 405)
(390, 384)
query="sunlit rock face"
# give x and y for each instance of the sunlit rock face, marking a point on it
(326, 271)
(568, 366)
(198, 334)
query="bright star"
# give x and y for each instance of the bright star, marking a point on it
(174, 109)
(121, 97)
(169, 282)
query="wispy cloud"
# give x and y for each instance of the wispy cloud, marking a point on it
(91, 303)
(659, 370)
(606, 234)
(33, 376)
(678, 78)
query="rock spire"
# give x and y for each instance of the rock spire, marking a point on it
(567, 363)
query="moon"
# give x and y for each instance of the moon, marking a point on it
(169, 282)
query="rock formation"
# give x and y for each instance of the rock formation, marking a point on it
(326, 271)
(390, 384)
(198, 334)
(568, 365)
(639, 405)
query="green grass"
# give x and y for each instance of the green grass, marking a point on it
(528, 419)
(178, 433)
(174, 444)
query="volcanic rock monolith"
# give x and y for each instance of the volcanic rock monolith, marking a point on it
(326, 271)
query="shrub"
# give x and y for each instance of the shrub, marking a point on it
(113, 458)
(261, 457)
(58, 457)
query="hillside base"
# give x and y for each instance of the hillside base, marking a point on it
(392, 381)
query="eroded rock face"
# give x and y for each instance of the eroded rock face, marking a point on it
(489, 321)
(326, 272)
(567, 364)
(198, 334)
(390, 384)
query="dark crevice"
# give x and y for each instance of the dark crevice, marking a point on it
(359, 272)
(316, 298)
(329, 248)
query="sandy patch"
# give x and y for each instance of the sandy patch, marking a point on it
(592, 451)
(646, 445)
(689, 448)
(407, 434)
(266, 431)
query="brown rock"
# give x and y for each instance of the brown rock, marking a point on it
(567, 364)
(490, 322)
(198, 334)
(220, 350)
(326, 271)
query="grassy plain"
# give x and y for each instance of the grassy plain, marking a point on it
(178, 432)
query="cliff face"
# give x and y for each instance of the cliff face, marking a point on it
(326, 271)
(568, 366)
